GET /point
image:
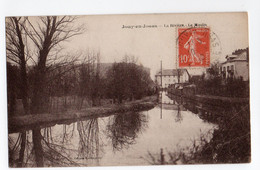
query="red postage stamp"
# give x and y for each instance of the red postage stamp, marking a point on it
(194, 47)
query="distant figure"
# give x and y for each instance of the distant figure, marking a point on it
(191, 46)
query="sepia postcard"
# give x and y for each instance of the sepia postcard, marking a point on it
(122, 90)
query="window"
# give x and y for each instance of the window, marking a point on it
(232, 68)
(232, 71)
(224, 72)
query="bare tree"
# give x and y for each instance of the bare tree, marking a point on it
(18, 53)
(91, 84)
(47, 33)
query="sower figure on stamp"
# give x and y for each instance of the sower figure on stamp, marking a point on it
(191, 44)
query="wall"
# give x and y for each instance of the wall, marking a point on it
(242, 69)
(167, 80)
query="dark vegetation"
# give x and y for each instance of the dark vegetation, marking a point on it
(229, 143)
(214, 84)
(128, 81)
(82, 86)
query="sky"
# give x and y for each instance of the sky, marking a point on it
(105, 33)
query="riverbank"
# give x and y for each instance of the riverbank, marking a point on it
(190, 93)
(25, 122)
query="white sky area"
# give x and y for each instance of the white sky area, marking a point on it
(104, 33)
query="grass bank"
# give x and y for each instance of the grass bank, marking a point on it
(25, 122)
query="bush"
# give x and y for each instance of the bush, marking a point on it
(127, 81)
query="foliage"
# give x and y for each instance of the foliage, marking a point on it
(214, 84)
(91, 84)
(127, 81)
(231, 142)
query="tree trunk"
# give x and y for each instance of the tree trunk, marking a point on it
(39, 97)
(23, 73)
(37, 145)
(24, 86)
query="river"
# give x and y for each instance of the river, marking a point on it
(142, 138)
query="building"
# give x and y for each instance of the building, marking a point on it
(236, 65)
(171, 76)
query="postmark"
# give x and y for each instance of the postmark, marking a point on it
(193, 47)
(215, 46)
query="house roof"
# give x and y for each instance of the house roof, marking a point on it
(242, 56)
(171, 72)
(231, 56)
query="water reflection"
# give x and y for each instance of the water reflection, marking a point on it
(120, 139)
(123, 129)
(89, 145)
(171, 102)
(16, 153)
